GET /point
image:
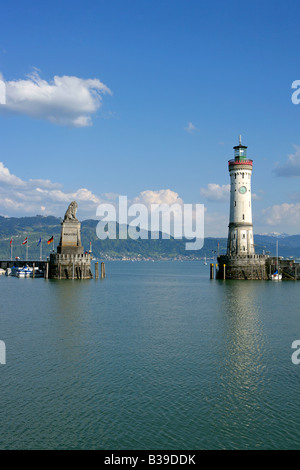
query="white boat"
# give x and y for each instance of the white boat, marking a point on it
(20, 274)
(205, 263)
(2, 272)
(276, 276)
(27, 272)
(24, 272)
(11, 271)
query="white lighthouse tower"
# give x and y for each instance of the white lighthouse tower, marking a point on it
(240, 234)
(241, 262)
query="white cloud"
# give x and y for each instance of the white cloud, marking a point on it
(166, 197)
(168, 214)
(292, 167)
(7, 178)
(45, 184)
(190, 128)
(284, 216)
(66, 100)
(215, 192)
(19, 197)
(37, 196)
(163, 196)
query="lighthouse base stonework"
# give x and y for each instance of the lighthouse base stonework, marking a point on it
(70, 261)
(248, 267)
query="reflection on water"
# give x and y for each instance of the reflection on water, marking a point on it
(155, 357)
(244, 341)
(242, 380)
(67, 314)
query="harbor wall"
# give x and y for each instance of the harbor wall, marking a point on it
(255, 267)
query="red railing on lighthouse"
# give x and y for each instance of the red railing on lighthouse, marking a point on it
(240, 162)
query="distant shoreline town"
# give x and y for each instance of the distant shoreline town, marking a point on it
(43, 228)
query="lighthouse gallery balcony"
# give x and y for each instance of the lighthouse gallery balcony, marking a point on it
(240, 162)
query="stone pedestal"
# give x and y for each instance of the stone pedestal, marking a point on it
(70, 261)
(70, 240)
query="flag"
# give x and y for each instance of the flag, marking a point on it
(10, 242)
(25, 241)
(50, 240)
(39, 242)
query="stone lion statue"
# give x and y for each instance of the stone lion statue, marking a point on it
(71, 211)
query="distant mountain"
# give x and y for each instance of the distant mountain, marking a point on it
(275, 234)
(45, 227)
(288, 246)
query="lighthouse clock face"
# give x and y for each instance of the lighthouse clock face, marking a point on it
(242, 189)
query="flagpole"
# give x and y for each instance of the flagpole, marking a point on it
(41, 251)
(11, 251)
(27, 250)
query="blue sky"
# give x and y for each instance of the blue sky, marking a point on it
(183, 79)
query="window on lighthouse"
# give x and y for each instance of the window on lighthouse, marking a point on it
(243, 216)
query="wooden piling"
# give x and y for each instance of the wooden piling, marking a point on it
(97, 270)
(102, 270)
(224, 272)
(212, 271)
(33, 270)
(46, 271)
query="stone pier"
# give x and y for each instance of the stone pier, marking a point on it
(70, 261)
(243, 267)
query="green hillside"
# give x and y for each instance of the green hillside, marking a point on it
(45, 227)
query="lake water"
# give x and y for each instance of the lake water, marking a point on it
(156, 356)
